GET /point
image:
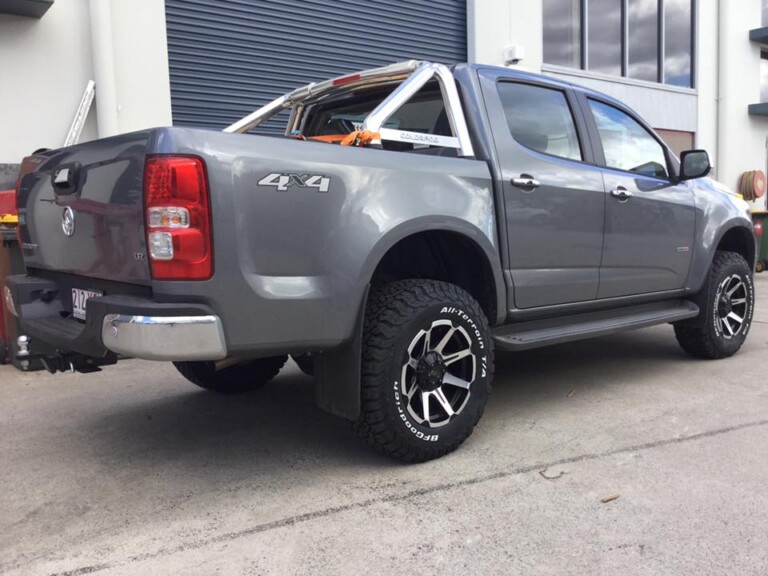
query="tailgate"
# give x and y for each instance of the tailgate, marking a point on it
(81, 210)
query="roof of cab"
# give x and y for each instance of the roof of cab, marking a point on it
(540, 78)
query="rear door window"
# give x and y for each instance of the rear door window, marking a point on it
(540, 118)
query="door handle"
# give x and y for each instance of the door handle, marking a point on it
(526, 181)
(621, 193)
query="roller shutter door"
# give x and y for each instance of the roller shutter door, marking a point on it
(231, 56)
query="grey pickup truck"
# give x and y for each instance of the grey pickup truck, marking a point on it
(390, 229)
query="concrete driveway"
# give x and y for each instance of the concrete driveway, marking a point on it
(135, 471)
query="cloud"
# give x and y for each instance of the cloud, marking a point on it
(604, 36)
(562, 37)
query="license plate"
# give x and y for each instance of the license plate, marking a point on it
(79, 298)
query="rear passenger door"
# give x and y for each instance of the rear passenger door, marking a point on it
(553, 198)
(649, 219)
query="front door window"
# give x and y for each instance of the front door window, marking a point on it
(626, 144)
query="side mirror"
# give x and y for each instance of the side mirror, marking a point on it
(694, 164)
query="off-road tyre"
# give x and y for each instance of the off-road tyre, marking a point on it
(233, 379)
(396, 315)
(708, 337)
(305, 362)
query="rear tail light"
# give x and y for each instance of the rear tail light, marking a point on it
(168, 217)
(178, 218)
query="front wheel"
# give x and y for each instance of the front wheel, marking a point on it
(427, 368)
(727, 304)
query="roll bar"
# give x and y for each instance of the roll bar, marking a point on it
(412, 75)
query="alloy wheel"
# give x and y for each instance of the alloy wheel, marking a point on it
(438, 373)
(731, 306)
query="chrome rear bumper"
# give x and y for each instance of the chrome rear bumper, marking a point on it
(165, 337)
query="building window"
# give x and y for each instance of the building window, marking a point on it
(562, 32)
(604, 36)
(643, 40)
(763, 76)
(649, 40)
(677, 42)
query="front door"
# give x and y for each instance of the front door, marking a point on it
(553, 200)
(649, 220)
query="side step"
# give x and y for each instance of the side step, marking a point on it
(537, 333)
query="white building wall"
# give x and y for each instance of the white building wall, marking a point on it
(707, 80)
(45, 65)
(141, 64)
(732, 81)
(493, 25)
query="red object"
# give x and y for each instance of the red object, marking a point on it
(758, 183)
(758, 229)
(8, 202)
(346, 80)
(7, 206)
(180, 181)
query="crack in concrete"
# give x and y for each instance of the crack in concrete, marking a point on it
(300, 518)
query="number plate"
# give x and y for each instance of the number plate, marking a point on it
(79, 298)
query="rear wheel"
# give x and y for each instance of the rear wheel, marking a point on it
(427, 367)
(727, 303)
(305, 362)
(232, 379)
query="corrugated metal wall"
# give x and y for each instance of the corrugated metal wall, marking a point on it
(228, 57)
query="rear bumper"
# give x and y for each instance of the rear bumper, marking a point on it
(165, 337)
(115, 324)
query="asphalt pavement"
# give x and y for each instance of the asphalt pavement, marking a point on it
(615, 456)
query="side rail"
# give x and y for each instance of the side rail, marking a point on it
(412, 75)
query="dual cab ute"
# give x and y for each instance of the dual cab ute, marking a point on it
(409, 221)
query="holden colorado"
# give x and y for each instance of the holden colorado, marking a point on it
(408, 222)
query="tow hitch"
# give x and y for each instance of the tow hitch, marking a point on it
(59, 362)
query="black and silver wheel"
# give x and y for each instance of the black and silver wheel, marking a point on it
(727, 303)
(426, 370)
(232, 379)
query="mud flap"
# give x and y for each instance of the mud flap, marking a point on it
(700, 299)
(337, 373)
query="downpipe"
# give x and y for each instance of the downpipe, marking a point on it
(104, 68)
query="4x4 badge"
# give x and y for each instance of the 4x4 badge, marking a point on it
(284, 181)
(68, 221)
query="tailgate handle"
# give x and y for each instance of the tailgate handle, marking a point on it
(66, 178)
